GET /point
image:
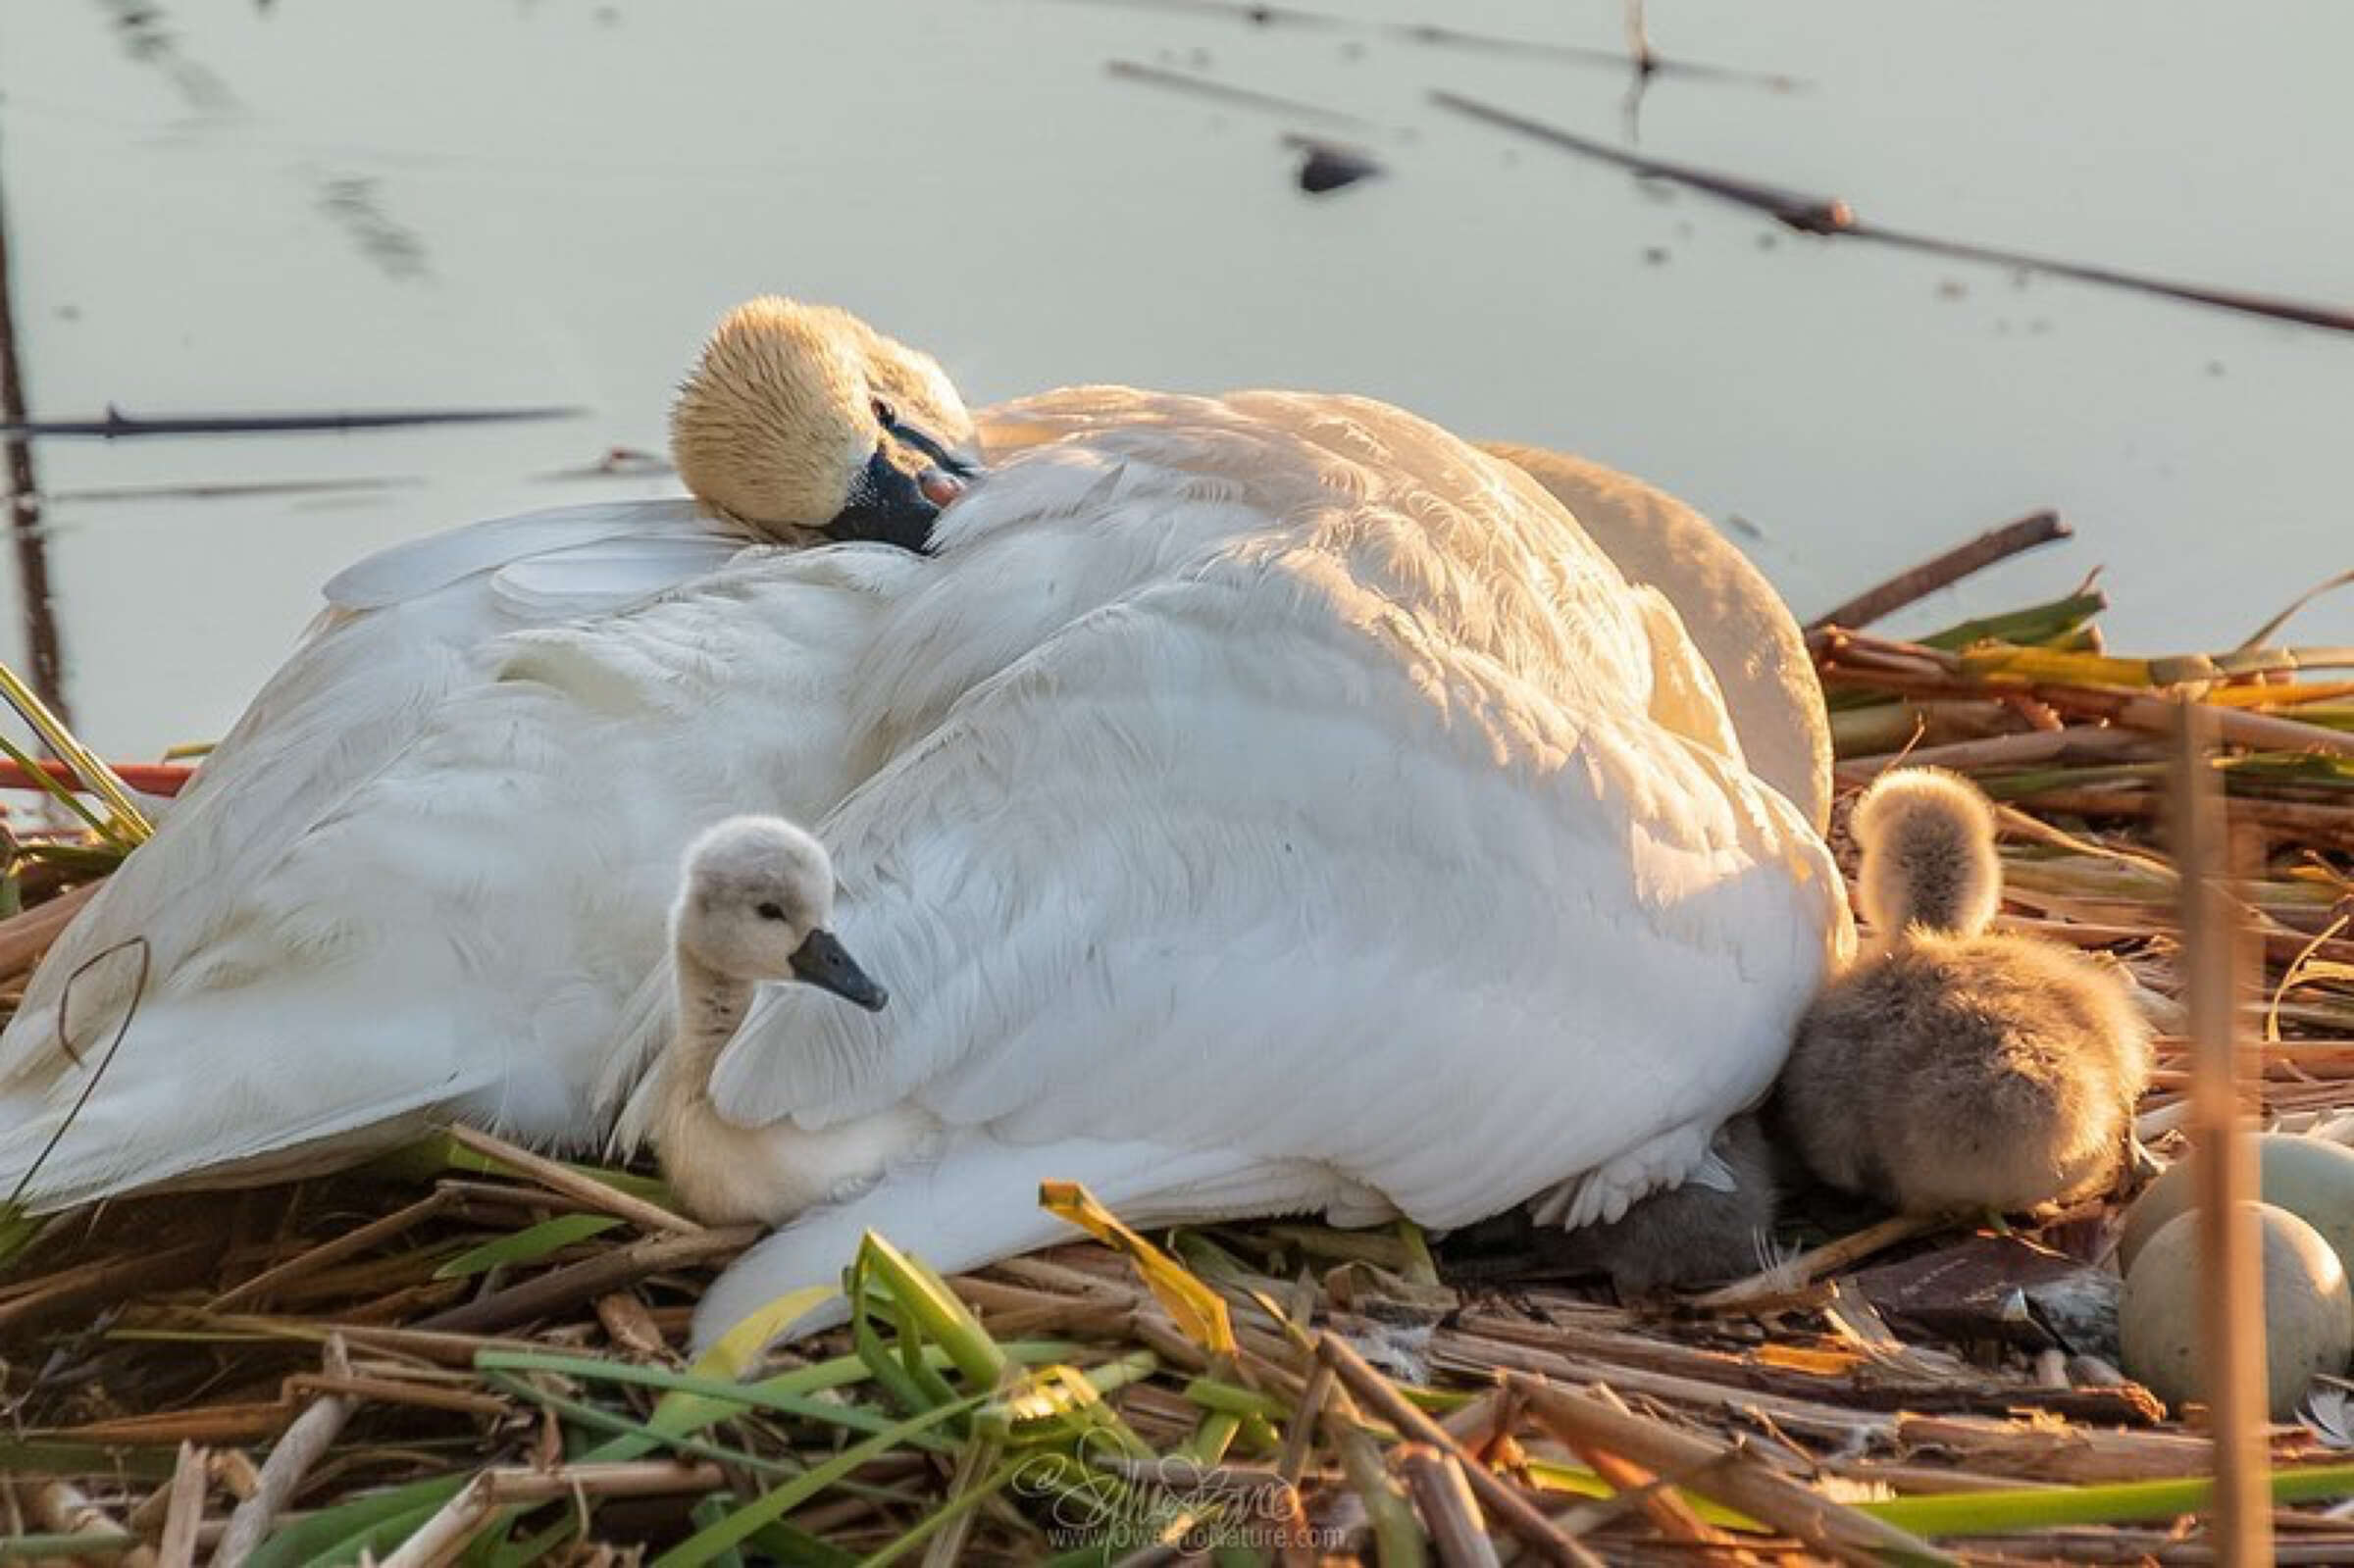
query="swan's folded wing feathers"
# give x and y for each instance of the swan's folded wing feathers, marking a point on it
(403, 630)
(468, 928)
(1119, 876)
(420, 566)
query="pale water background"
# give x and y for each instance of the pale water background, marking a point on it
(309, 205)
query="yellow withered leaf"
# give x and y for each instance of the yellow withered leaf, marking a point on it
(1199, 1311)
(739, 1350)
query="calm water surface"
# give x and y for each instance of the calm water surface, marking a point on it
(322, 204)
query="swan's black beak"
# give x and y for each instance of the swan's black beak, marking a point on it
(891, 504)
(822, 961)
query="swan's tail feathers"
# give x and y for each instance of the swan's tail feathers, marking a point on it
(1603, 1196)
(978, 1202)
(192, 1096)
(1927, 838)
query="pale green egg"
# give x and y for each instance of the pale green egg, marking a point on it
(2312, 1179)
(2308, 1311)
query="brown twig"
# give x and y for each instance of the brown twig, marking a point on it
(1724, 1473)
(446, 1534)
(184, 1513)
(1809, 1266)
(1832, 218)
(1665, 1506)
(291, 1458)
(586, 1281)
(41, 635)
(1943, 571)
(25, 938)
(1814, 214)
(351, 1244)
(116, 425)
(557, 1176)
(1441, 1490)
(1498, 1496)
(1222, 93)
(60, 1506)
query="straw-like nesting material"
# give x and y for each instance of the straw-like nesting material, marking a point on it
(463, 1352)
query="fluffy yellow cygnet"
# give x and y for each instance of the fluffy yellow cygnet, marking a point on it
(1953, 1070)
(802, 419)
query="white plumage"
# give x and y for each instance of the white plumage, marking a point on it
(1260, 803)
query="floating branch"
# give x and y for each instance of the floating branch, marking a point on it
(1244, 97)
(1437, 36)
(118, 425)
(1814, 214)
(32, 546)
(230, 490)
(1831, 216)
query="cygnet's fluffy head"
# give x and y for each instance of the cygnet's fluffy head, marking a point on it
(1928, 840)
(802, 416)
(757, 903)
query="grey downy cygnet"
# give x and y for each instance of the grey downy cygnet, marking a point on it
(1717, 1226)
(1953, 1070)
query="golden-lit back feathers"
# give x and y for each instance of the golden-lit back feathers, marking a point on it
(780, 413)
(1928, 840)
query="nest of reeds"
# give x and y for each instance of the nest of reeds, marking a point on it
(468, 1353)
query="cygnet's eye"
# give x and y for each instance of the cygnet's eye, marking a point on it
(885, 415)
(770, 911)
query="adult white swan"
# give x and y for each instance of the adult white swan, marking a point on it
(1302, 675)
(1299, 816)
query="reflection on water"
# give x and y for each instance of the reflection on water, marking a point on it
(218, 206)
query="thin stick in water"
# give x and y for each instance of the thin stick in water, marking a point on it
(1831, 216)
(1219, 92)
(25, 505)
(119, 425)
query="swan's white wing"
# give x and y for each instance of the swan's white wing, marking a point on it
(1733, 615)
(1684, 695)
(1350, 845)
(420, 566)
(403, 630)
(1452, 958)
(468, 928)
(1157, 882)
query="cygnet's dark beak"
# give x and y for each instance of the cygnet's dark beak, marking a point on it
(822, 961)
(895, 505)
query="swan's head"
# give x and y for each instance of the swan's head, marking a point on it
(757, 903)
(802, 416)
